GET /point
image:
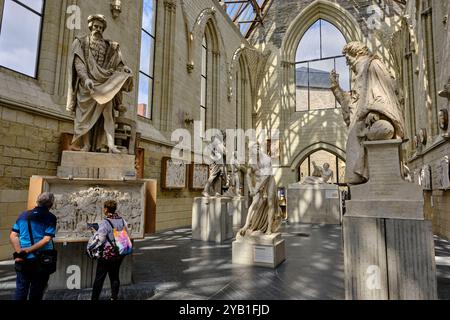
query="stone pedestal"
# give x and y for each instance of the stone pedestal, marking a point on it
(319, 204)
(238, 209)
(259, 250)
(84, 181)
(97, 165)
(211, 220)
(388, 245)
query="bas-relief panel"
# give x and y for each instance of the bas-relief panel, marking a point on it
(79, 202)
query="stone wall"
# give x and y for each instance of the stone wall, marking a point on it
(33, 115)
(425, 38)
(284, 26)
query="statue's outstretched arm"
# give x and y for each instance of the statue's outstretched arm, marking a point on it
(343, 97)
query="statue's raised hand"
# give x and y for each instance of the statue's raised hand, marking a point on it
(334, 79)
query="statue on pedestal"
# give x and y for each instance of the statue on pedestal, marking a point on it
(264, 214)
(234, 178)
(320, 175)
(97, 77)
(372, 110)
(217, 168)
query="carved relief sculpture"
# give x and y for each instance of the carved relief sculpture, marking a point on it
(97, 77)
(173, 174)
(76, 209)
(372, 110)
(199, 174)
(264, 214)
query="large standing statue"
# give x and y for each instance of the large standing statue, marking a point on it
(264, 214)
(98, 75)
(217, 168)
(372, 110)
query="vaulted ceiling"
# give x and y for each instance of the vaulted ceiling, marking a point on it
(246, 14)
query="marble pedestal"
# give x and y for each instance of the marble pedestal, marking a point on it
(84, 182)
(238, 209)
(259, 250)
(388, 245)
(318, 204)
(211, 219)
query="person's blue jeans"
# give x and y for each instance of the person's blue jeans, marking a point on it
(31, 285)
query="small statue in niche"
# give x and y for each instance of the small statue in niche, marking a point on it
(443, 119)
(423, 137)
(320, 175)
(425, 177)
(445, 173)
(372, 110)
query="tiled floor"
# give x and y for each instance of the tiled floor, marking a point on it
(170, 265)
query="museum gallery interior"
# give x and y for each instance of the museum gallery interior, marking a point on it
(258, 149)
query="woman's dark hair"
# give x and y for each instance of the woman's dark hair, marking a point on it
(111, 206)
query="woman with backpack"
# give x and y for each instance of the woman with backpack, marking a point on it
(113, 234)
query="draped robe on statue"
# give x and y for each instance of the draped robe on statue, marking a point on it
(94, 112)
(374, 90)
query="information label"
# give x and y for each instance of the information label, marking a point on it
(332, 194)
(263, 254)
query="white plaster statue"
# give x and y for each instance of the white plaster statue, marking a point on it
(320, 175)
(445, 174)
(372, 110)
(234, 180)
(217, 168)
(97, 77)
(264, 214)
(425, 177)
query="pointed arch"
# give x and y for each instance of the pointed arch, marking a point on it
(205, 23)
(306, 152)
(319, 9)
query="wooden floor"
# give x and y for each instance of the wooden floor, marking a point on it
(171, 266)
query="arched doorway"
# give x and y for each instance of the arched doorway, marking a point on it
(320, 157)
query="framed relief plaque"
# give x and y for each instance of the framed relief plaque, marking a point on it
(173, 174)
(198, 176)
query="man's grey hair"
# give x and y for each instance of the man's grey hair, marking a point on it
(356, 49)
(46, 199)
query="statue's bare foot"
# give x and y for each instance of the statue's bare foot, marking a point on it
(205, 194)
(268, 233)
(114, 150)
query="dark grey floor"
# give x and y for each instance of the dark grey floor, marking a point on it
(170, 265)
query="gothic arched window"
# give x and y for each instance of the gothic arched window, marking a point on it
(20, 35)
(204, 86)
(146, 69)
(319, 52)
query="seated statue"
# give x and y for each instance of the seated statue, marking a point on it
(320, 175)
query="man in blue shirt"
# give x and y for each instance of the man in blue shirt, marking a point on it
(31, 282)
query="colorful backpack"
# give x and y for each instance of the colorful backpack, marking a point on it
(121, 244)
